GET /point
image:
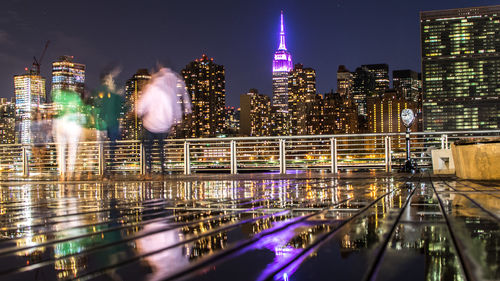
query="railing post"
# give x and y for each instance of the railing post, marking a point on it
(444, 141)
(101, 161)
(187, 159)
(234, 167)
(25, 162)
(387, 154)
(333, 155)
(282, 157)
(142, 159)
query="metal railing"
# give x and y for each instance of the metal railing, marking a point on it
(277, 153)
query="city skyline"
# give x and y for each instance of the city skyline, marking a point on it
(321, 35)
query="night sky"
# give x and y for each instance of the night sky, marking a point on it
(241, 35)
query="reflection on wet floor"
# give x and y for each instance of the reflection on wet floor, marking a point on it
(308, 227)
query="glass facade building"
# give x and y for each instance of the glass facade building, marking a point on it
(67, 74)
(461, 68)
(30, 93)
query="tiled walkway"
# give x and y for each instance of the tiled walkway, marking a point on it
(352, 226)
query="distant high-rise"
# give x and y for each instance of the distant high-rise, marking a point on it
(255, 115)
(7, 121)
(345, 81)
(340, 114)
(381, 74)
(363, 87)
(282, 65)
(232, 121)
(461, 68)
(301, 96)
(29, 90)
(131, 124)
(408, 84)
(205, 82)
(384, 113)
(69, 75)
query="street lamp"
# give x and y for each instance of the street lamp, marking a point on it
(408, 117)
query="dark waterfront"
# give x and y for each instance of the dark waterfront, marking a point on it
(308, 226)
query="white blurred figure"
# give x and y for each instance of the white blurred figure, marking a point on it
(165, 262)
(162, 104)
(67, 128)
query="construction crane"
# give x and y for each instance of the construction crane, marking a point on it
(38, 63)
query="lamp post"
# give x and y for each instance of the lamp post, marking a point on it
(407, 117)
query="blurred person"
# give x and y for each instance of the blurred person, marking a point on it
(109, 108)
(162, 104)
(67, 128)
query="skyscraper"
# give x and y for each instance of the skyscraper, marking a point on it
(363, 87)
(282, 65)
(205, 82)
(131, 124)
(345, 81)
(408, 85)
(461, 68)
(301, 97)
(29, 90)
(255, 116)
(7, 121)
(67, 74)
(381, 74)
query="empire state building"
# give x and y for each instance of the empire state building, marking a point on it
(282, 65)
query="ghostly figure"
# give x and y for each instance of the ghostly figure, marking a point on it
(162, 104)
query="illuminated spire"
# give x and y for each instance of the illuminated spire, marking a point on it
(282, 35)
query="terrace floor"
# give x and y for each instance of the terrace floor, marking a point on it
(304, 226)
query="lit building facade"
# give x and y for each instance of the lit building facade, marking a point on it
(363, 87)
(255, 115)
(69, 75)
(30, 94)
(282, 65)
(408, 84)
(7, 121)
(345, 81)
(460, 67)
(232, 121)
(340, 114)
(205, 82)
(381, 75)
(301, 98)
(131, 123)
(384, 114)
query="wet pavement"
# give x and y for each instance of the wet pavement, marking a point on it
(310, 226)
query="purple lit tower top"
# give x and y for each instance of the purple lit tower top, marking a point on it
(282, 61)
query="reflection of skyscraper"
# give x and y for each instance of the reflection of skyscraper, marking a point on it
(131, 124)
(282, 65)
(461, 66)
(67, 74)
(301, 98)
(30, 93)
(205, 82)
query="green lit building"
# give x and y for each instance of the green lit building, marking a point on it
(461, 68)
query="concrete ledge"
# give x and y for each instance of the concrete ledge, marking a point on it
(442, 162)
(478, 161)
